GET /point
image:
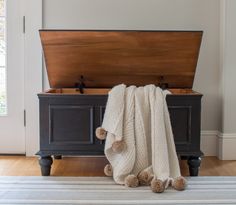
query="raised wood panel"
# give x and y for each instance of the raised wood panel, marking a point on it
(108, 58)
(181, 117)
(71, 124)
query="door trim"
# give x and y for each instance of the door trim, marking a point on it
(33, 73)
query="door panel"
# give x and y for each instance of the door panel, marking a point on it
(12, 139)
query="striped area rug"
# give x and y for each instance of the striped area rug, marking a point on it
(103, 191)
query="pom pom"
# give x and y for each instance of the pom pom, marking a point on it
(179, 183)
(101, 133)
(108, 171)
(131, 181)
(157, 186)
(145, 178)
(118, 146)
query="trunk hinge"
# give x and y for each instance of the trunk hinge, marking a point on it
(162, 84)
(80, 85)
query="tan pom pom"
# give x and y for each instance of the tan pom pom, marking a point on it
(145, 178)
(157, 186)
(108, 171)
(179, 183)
(101, 133)
(118, 146)
(131, 181)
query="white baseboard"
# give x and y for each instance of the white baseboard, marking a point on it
(214, 143)
(227, 146)
(209, 143)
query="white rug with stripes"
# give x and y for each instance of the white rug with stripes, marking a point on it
(103, 191)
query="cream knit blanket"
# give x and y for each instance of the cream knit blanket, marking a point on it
(140, 118)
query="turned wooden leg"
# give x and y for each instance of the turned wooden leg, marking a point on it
(57, 157)
(194, 165)
(45, 163)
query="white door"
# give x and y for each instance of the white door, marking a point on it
(12, 131)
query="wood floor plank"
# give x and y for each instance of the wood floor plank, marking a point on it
(93, 166)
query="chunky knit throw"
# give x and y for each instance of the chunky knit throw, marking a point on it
(139, 117)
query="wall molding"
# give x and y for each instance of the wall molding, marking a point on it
(209, 142)
(222, 145)
(227, 146)
(227, 135)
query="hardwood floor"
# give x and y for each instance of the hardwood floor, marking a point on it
(93, 166)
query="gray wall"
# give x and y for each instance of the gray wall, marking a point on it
(153, 14)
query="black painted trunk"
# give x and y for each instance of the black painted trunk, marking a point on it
(68, 123)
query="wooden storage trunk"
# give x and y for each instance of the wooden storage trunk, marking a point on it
(83, 66)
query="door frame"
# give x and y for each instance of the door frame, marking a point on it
(33, 73)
